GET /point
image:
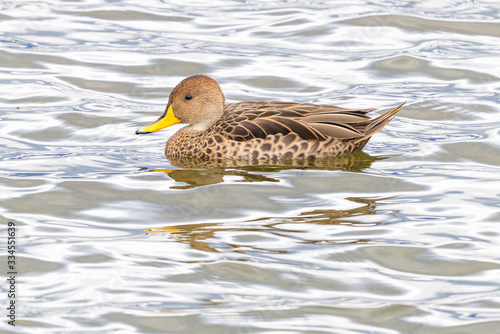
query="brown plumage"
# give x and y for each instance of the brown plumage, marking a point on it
(260, 129)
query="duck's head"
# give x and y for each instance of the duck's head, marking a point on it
(196, 100)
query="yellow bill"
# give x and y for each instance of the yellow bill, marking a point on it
(165, 120)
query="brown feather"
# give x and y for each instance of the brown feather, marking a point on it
(340, 131)
(303, 130)
(335, 118)
(241, 132)
(378, 123)
(255, 129)
(272, 126)
(259, 119)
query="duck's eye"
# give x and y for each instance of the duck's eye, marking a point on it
(188, 97)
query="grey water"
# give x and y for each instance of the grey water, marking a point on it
(113, 237)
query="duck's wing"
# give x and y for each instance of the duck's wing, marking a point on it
(259, 119)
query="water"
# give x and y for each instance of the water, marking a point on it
(113, 237)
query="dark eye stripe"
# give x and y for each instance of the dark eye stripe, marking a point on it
(188, 97)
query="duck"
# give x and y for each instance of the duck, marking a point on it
(262, 130)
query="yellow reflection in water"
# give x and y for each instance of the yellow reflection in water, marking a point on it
(199, 236)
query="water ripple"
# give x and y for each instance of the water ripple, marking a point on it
(114, 237)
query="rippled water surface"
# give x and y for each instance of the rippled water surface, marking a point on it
(114, 238)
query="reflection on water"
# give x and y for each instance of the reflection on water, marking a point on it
(403, 238)
(198, 172)
(199, 236)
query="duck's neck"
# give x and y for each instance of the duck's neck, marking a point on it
(212, 113)
(206, 123)
(198, 127)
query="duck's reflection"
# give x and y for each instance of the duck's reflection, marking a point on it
(197, 172)
(201, 236)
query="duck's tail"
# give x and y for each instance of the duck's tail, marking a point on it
(378, 123)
